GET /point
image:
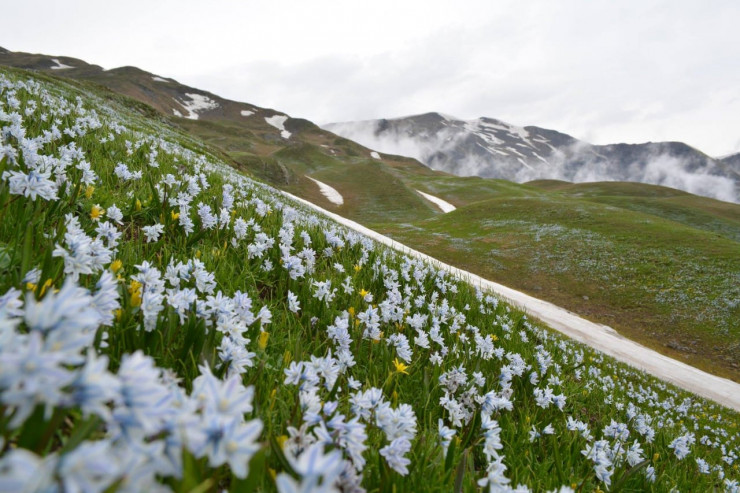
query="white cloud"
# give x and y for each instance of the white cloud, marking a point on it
(602, 71)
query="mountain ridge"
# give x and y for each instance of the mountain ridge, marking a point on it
(491, 148)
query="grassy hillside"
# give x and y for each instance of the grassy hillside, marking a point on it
(676, 293)
(169, 324)
(637, 264)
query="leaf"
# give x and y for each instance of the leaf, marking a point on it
(27, 251)
(191, 472)
(278, 451)
(257, 469)
(450, 455)
(5, 258)
(629, 473)
(81, 431)
(33, 429)
(460, 475)
(196, 237)
(203, 487)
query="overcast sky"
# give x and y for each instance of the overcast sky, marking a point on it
(602, 71)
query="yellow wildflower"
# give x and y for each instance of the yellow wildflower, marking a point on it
(97, 212)
(281, 440)
(135, 290)
(46, 286)
(138, 205)
(174, 215)
(262, 342)
(116, 265)
(358, 267)
(89, 191)
(351, 311)
(400, 367)
(364, 293)
(272, 398)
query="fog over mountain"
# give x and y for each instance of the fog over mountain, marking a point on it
(492, 148)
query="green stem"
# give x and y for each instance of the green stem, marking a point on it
(56, 420)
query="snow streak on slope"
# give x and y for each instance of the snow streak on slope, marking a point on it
(59, 65)
(444, 206)
(330, 193)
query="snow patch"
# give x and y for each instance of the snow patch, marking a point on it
(443, 205)
(159, 79)
(497, 151)
(514, 151)
(247, 113)
(59, 65)
(541, 158)
(176, 113)
(198, 102)
(375, 155)
(330, 193)
(278, 121)
(525, 164)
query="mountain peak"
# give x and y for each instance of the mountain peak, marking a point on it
(492, 148)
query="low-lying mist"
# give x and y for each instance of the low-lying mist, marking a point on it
(455, 152)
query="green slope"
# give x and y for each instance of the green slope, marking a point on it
(658, 264)
(662, 282)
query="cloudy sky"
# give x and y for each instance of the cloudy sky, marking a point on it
(602, 71)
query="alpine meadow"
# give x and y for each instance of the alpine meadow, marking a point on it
(169, 323)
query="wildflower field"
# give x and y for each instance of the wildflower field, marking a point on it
(167, 323)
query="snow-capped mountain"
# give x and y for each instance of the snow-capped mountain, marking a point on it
(492, 148)
(733, 161)
(163, 94)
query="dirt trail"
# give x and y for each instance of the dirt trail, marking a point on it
(598, 336)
